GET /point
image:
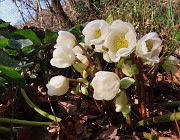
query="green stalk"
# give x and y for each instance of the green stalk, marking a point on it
(160, 119)
(38, 110)
(5, 130)
(150, 136)
(23, 122)
(174, 104)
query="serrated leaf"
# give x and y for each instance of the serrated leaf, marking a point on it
(80, 67)
(12, 76)
(7, 61)
(50, 36)
(3, 42)
(126, 82)
(4, 24)
(29, 34)
(83, 80)
(110, 19)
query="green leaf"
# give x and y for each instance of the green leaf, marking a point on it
(14, 44)
(121, 101)
(83, 80)
(121, 62)
(126, 110)
(12, 75)
(134, 69)
(29, 34)
(110, 19)
(4, 24)
(7, 61)
(3, 42)
(80, 67)
(126, 82)
(50, 36)
(126, 69)
(19, 44)
(5, 34)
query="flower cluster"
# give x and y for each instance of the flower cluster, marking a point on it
(115, 41)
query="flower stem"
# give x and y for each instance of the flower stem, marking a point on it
(160, 119)
(38, 110)
(86, 54)
(23, 122)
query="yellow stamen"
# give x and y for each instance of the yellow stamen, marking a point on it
(121, 43)
(97, 33)
(149, 45)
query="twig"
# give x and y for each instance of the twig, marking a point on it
(176, 122)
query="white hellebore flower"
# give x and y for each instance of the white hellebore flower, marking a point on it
(65, 39)
(63, 57)
(58, 85)
(95, 32)
(106, 85)
(148, 47)
(121, 40)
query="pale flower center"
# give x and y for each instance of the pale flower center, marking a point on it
(120, 43)
(149, 45)
(97, 33)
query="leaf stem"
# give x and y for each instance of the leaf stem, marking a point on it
(23, 122)
(160, 119)
(38, 110)
(5, 130)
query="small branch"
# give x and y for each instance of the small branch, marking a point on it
(23, 122)
(38, 110)
(160, 119)
(86, 54)
(154, 76)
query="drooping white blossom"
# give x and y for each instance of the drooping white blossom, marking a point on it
(106, 85)
(121, 40)
(63, 57)
(65, 39)
(148, 47)
(57, 86)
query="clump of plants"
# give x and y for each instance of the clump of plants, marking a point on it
(113, 68)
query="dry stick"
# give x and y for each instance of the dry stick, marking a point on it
(110, 115)
(176, 122)
(160, 119)
(143, 91)
(20, 12)
(138, 85)
(154, 76)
